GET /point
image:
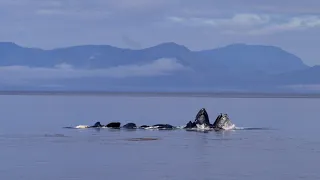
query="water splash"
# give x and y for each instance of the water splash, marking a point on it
(82, 126)
(251, 128)
(198, 128)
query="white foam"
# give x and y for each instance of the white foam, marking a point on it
(152, 127)
(180, 127)
(239, 128)
(231, 127)
(103, 127)
(81, 126)
(203, 127)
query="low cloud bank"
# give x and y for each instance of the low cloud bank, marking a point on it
(158, 67)
(309, 87)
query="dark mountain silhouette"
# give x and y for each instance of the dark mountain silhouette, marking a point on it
(236, 67)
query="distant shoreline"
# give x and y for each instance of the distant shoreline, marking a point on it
(164, 94)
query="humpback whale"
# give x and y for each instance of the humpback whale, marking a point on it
(110, 125)
(223, 122)
(113, 125)
(159, 126)
(97, 124)
(130, 126)
(144, 126)
(201, 121)
(117, 125)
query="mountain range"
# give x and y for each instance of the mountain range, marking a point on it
(164, 67)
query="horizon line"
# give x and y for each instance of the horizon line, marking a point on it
(226, 94)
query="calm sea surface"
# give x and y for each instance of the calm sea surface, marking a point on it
(35, 146)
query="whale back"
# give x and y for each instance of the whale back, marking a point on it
(163, 126)
(130, 126)
(113, 125)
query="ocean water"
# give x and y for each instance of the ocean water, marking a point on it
(34, 145)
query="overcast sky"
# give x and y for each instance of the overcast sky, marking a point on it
(293, 25)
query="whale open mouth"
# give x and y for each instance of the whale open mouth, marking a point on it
(202, 118)
(223, 122)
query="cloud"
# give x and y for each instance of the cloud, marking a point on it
(159, 67)
(66, 65)
(137, 4)
(252, 24)
(211, 23)
(303, 87)
(221, 7)
(295, 23)
(236, 20)
(147, 11)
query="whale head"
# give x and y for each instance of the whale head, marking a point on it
(223, 122)
(202, 118)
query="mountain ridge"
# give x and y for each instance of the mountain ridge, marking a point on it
(166, 65)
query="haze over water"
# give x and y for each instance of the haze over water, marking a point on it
(34, 144)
